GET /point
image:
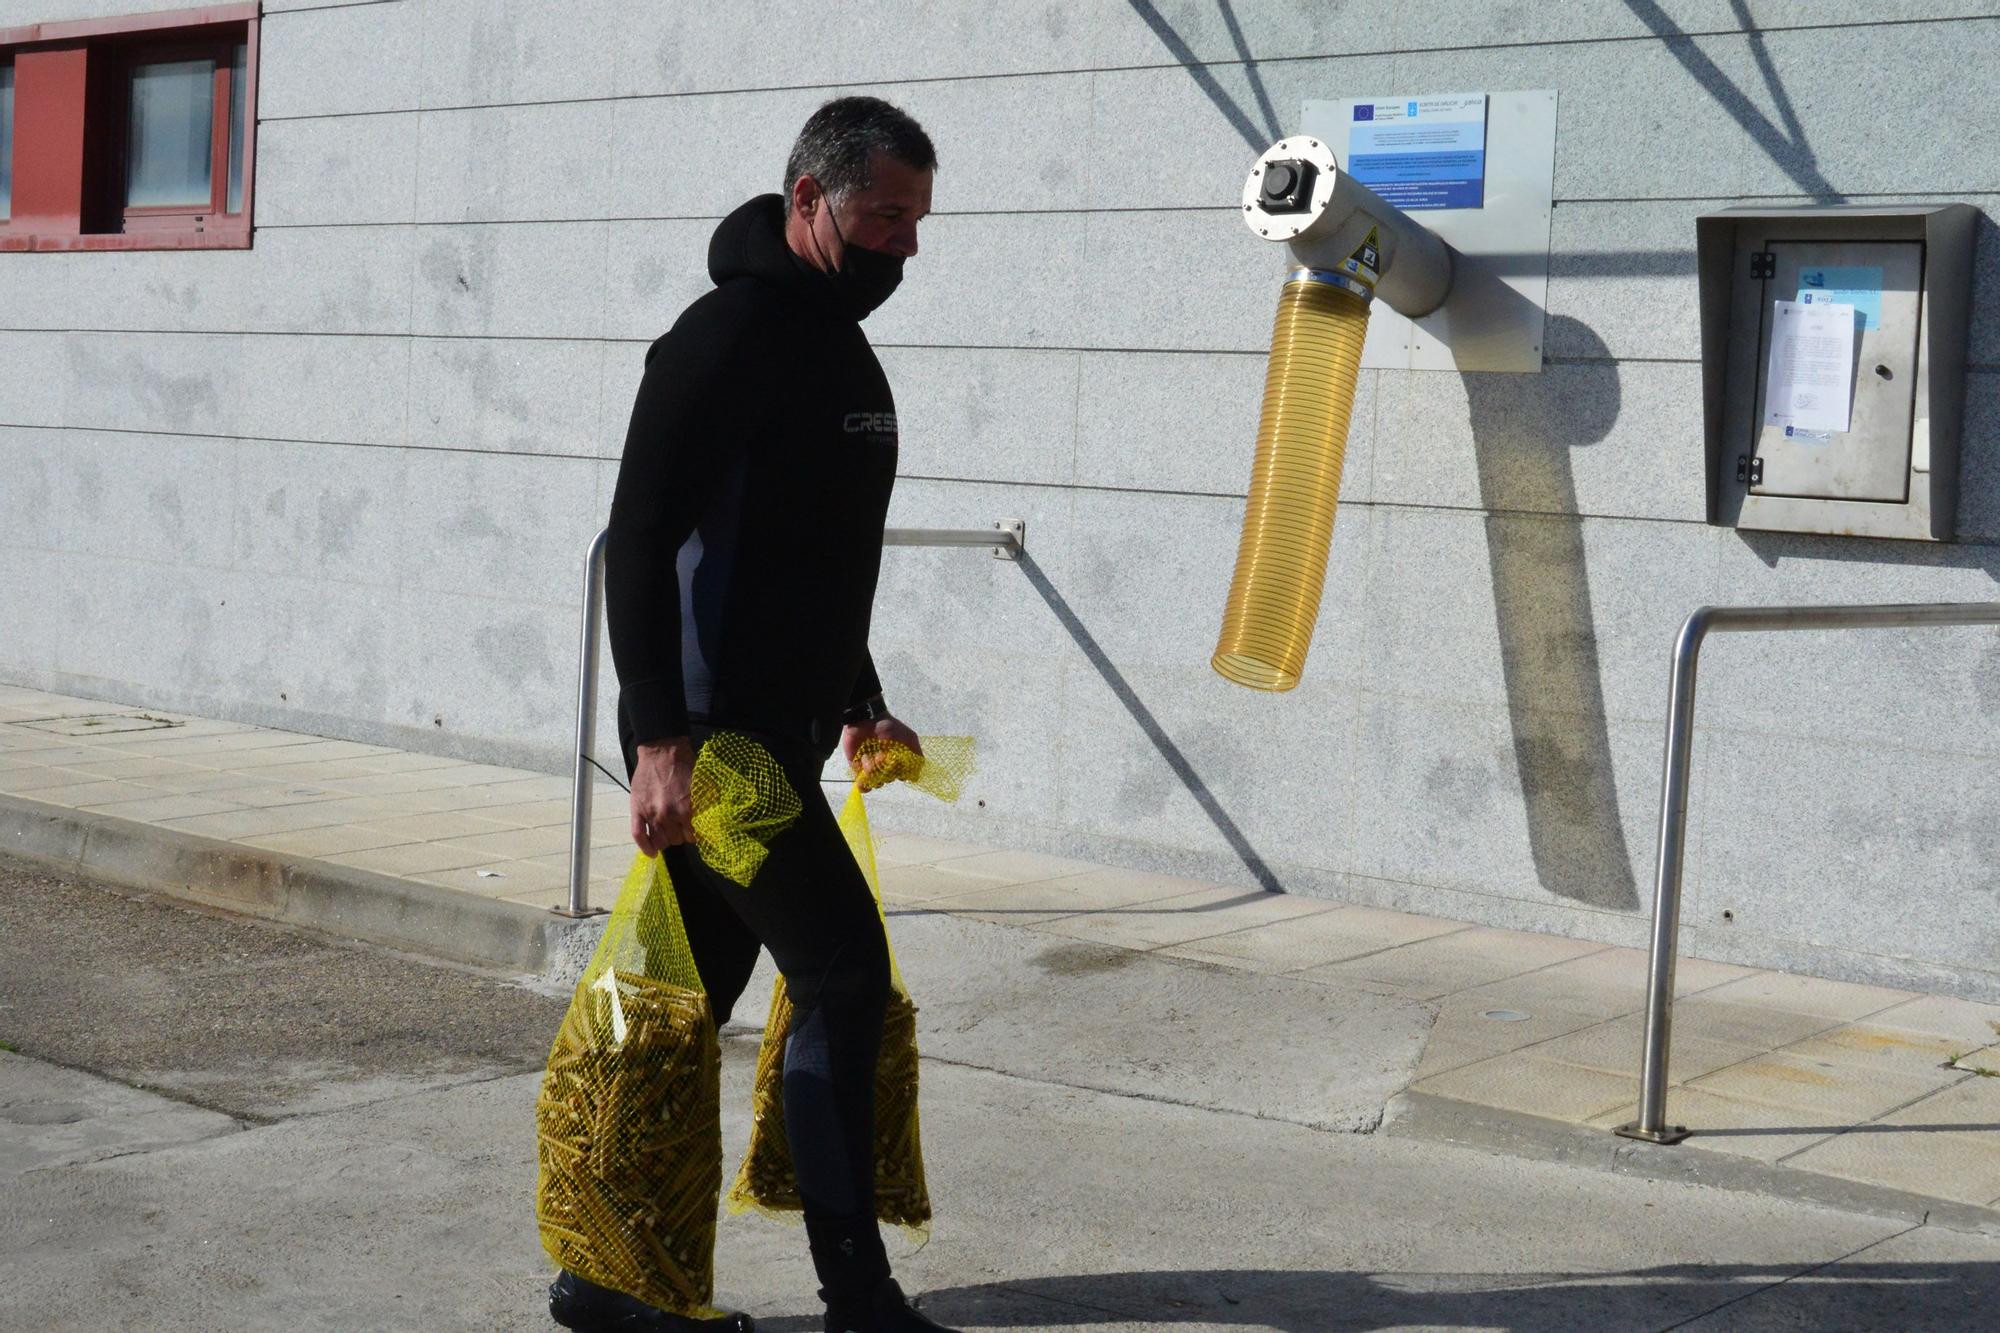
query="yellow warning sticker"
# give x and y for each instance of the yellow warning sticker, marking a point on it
(1366, 261)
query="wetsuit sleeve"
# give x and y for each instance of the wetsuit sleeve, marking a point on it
(675, 455)
(866, 685)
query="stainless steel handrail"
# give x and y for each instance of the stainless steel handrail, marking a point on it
(584, 782)
(1007, 538)
(1651, 1126)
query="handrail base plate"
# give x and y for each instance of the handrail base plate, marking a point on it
(1665, 1134)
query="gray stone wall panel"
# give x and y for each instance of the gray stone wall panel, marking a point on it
(1241, 788)
(938, 601)
(668, 49)
(1473, 800)
(188, 384)
(1180, 422)
(1820, 844)
(700, 156)
(335, 514)
(486, 666)
(1174, 281)
(342, 389)
(340, 61)
(526, 280)
(549, 162)
(168, 502)
(1001, 280)
(31, 462)
(1657, 120)
(985, 415)
(506, 395)
(1161, 31)
(336, 171)
(1162, 139)
(1931, 688)
(652, 271)
(1531, 612)
(1150, 576)
(494, 527)
(486, 52)
(20, 13)
(32, 607)
(1979, 460)
(1590, 438)
(31, 390)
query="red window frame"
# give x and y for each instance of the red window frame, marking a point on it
(70, 167)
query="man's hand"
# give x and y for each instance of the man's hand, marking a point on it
(661, 810)
(881, 729)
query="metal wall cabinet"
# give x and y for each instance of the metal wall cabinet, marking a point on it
(1894, 471)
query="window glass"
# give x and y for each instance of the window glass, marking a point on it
(173, 123)
(237, 126)
(6, 140)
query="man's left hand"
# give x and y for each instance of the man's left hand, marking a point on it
(853, 737)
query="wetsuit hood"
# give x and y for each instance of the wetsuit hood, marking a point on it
(750, 243)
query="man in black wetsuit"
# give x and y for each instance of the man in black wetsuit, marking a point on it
(746, 535)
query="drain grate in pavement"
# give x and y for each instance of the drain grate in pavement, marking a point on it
(95, 724)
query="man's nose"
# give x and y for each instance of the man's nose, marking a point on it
(904, 242)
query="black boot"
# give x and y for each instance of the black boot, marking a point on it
(589, 1308)
(883, 1311)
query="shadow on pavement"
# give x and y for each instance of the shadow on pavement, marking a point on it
(1812, 1295)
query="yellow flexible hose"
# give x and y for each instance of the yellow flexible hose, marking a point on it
(1267, 624)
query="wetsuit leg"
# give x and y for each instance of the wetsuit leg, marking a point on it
(812, 909)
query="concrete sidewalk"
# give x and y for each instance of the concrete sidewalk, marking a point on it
(1793, 1084)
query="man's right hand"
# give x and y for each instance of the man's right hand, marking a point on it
(661, 811)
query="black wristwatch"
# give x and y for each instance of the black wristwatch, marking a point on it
(868, 710)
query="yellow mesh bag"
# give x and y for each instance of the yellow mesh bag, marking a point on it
(766, 1180)
(629, 1138)
(741, 800)
(628, 1124)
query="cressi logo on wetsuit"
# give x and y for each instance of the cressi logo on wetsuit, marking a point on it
(870, 423)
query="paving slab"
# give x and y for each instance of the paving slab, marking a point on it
(1462, 960)
(1534, 1086)
(1158, 923)
(1311, 941)
(1843, 1092)
(1961, 1167)
(1756, 1130)
(1120, 1021)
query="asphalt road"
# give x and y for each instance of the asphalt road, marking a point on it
(208, 1123)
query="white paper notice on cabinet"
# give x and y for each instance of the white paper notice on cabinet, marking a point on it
(1809, 383)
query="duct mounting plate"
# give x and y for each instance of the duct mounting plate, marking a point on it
(1495, 315)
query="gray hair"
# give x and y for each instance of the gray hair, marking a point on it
(836, 144)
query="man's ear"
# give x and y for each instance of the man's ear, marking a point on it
(806, 196)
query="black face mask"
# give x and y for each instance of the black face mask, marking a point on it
(865, 278)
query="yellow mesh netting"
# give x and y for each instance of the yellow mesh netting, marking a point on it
(741, 801)
(766, 1181)
(628, 1128)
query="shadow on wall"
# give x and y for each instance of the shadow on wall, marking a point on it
(1900, 1295)
(1176, 759)
(1785, 145)
(1258, 135)
(1523, 428)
